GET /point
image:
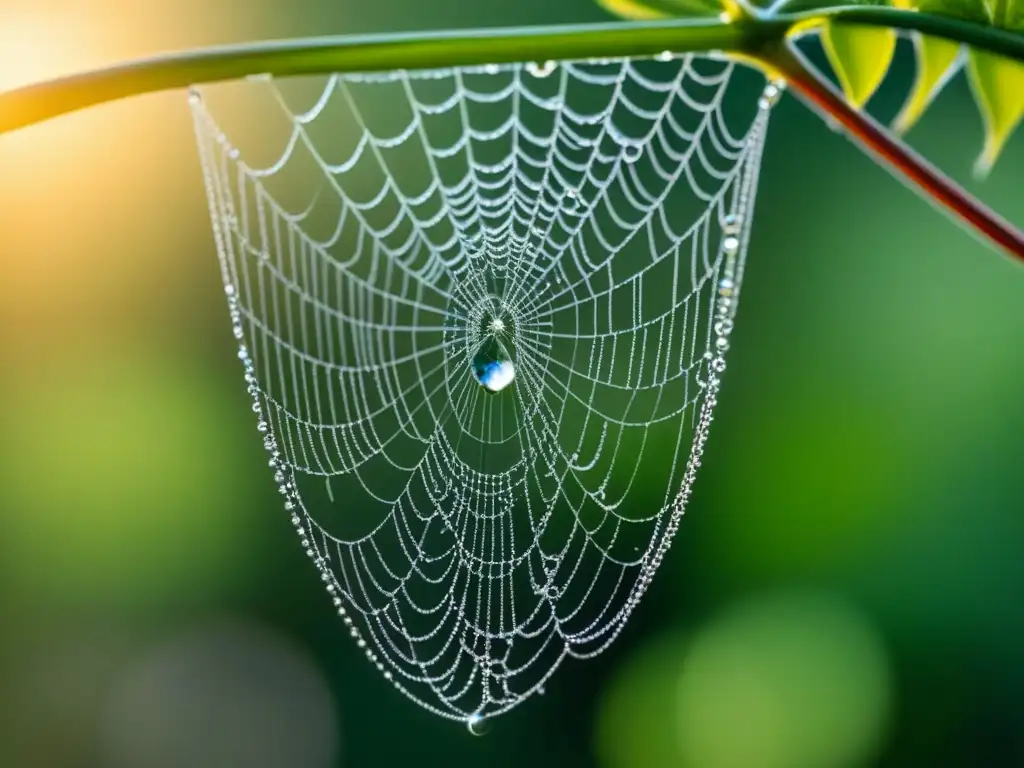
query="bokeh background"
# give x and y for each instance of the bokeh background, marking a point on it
(845, 590)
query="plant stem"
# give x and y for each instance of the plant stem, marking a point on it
(35, 103)
(757, 37)
(976, 33)
(921, 175)
(31, 104)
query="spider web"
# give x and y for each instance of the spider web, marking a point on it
(591, 216)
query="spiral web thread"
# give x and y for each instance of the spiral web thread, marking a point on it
(601, 211)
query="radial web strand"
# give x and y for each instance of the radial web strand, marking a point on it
(482, 314)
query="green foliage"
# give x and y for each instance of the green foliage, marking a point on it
(860, 57)
(937, 61)
(861, 53)
(997, 82)
(998, 86)
(1006, 14)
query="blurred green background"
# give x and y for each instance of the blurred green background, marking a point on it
(845, 589)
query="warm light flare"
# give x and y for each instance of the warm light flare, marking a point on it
(82, 197)
(38, 46)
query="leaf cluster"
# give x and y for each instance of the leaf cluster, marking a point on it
(861, 55)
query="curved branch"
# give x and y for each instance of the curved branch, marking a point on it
(31, 104)
(35, 103)
(901, 159)
(757, 36)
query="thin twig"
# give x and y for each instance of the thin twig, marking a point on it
(901, 159)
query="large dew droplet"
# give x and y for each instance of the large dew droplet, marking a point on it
(477, 725)
(492, 366)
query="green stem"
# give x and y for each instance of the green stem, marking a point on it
(26, 106)
(757, 37)
(35, 103)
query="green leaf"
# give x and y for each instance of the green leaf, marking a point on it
(632, 9)
(965, 10)
(860, 56)
(937, 61)
(651, 10)
(998, 86)
(1007, 14)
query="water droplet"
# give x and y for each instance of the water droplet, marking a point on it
(731, 224)
(771, 94)
(665, 56)
(492, 365)
(492, 69)
(731, 244)
(632, 152)
(541, 70)
(477, 724)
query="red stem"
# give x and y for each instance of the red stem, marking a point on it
(900, 158)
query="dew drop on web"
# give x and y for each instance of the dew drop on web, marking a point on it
(478, 725)
(492, 366)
